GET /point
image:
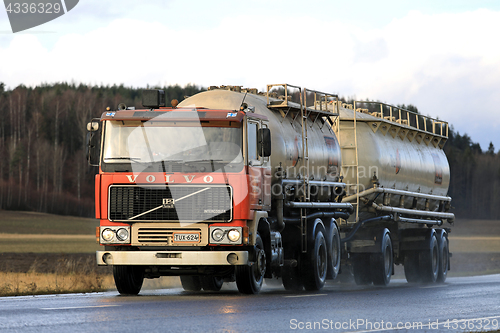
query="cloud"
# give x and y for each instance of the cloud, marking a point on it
(446, 64)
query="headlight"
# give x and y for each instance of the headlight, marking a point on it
(217, 235)
(115, 235)
(108, 235)
(220, 235)
(233, 235)
(122, 234)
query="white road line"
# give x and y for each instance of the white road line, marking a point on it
(79, 307)
(307, 295)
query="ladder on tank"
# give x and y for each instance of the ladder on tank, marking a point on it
(353, 164)
(305, 113)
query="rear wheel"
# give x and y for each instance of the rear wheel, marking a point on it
(128, 279)
(334, 251)
(381, 263)
(444, 255)
(315, 267)
(211, 283)
(429, 260)
(191, 282)
(249, 278)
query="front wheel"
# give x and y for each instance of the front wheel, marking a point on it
(128, 279)
(249, 278)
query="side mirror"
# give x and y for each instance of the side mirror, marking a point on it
(93, 147)
(264, 142)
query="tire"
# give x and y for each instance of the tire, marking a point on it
(429, 260)
(191, 282)
(211, 283)
(249, 278)
(334, 251)
(315, 266)
(128, 279)
(361, 269)
(444, 256)
(381, 263)
(412, 267)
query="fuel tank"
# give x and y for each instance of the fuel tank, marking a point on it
(286, 135)
(392, 155)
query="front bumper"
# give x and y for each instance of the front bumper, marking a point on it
(172, 258)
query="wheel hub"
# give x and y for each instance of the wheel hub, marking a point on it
(261, 262)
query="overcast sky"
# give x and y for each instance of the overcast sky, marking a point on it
(442, 56)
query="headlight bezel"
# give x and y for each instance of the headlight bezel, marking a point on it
(225, 240)
(115, 239)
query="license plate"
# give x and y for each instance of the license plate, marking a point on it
(187, 237)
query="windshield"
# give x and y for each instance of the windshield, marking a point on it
(171, 146)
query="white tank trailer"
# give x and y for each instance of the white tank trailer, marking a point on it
(374, 177)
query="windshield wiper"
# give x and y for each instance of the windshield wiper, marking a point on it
(123, 158)
(171, 161)
(205, 160)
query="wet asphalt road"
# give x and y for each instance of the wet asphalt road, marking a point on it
(338, 307)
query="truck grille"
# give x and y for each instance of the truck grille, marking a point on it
(174, 203)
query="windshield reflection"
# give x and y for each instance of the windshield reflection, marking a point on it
(163, 143)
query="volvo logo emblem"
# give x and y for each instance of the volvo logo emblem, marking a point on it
(168, 203)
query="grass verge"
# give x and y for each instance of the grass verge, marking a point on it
(19, 284)
(69, 276)
(23, 243)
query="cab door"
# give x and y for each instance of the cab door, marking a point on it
(259, 167)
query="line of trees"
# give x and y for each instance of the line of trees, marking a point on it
(42, 151)
(475, 178)
(42, 143)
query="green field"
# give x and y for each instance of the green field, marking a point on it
(49, 244)
(45, 233)
(14, 222)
